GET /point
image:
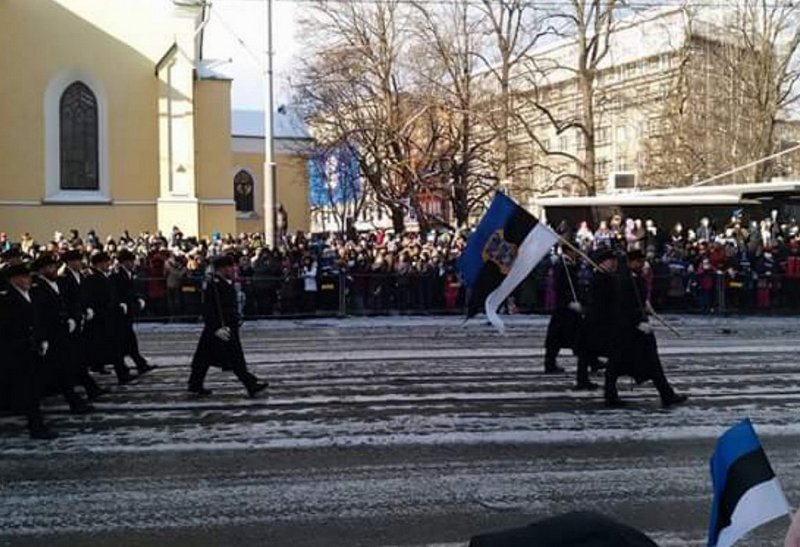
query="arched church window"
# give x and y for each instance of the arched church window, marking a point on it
(243, 190)
(78, 138)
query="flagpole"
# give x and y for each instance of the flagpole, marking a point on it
(574, 248)
(569, 278)
(663, 322)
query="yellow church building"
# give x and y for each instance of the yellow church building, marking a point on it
(110, 120)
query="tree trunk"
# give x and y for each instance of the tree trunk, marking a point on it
(460, 203)
(586, 169)
(398, 219)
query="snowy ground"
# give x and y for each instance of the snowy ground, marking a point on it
(398, 431)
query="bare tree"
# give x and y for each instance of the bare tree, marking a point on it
(448, 38)
(357, 89)
(583, 29)
(737, 76)
(764, 53)
(512, 28)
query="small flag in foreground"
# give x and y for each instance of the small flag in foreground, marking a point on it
(746, 492)
(505, 247)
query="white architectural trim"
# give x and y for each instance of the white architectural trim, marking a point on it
(52, 157)
(178, 200)
(257, 193)
(19, 203)
(135, 202)
(218, 201)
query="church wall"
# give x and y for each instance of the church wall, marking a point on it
(44, 46)
(41, 222)
(292, 189)
(213, 156)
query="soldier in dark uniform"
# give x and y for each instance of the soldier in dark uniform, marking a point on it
(11, 257)
(101, 331)
(598, 332)
(21, 363)
(634, 351)
(567, 323)
(130, 304)
(70, 283)
(220, 344)
(52, 331)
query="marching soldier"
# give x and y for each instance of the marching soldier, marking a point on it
(102, 334)
(598, 334)
(20, 367)
(70, 283)
(52, 332)
(129, 305)
(566, 326)
(220, 344)
(633, 350)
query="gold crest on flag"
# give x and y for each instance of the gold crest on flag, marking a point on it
(500, 251)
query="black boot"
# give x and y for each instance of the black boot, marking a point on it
(673, 400)
(550, 366)
(610, 392)
(200, 391)
(37, 428)
(256, 388)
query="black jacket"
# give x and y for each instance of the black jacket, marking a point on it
(20, 364)
(125, 291)
(220, 309)
(50, 313)
(17, 323)
(101, 334)
(72, 293)
(600, 331)
(220, 305)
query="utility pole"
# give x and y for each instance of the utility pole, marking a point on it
(270, 184)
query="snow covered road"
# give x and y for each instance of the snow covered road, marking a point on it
(398, 432)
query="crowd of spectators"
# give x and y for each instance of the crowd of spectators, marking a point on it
(368, 273)
(735, 265)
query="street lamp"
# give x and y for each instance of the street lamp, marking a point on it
(270, 199)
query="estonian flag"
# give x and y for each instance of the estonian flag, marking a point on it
(505, 247)
(746, 492)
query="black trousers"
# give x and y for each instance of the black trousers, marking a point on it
(566, 330)
(20, 389)
(228, 355)
(200, 369)
(642, 353)
(130, 345)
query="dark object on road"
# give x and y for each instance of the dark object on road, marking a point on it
(578, 529)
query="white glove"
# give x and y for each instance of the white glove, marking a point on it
(645, 327)
(124, 308)
(223, 334)
(43, 347)
(575, 306)
(89, 314)
(141, 304)
(71, 325)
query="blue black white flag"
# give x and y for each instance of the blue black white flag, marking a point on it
(500, 254)
(746, 492)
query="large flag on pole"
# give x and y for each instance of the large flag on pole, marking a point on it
(500, 254)
(746, 492)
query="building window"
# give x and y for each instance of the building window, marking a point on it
(78, 138)
(243, 190)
